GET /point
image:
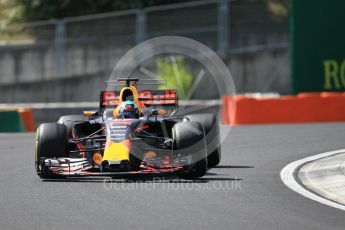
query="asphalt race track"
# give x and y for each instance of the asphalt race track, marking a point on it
(244, 192)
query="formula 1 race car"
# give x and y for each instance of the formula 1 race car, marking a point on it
(134, 133)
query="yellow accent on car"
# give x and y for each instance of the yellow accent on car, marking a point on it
(116, 152)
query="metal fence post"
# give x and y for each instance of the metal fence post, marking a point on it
(140, 25)
(223, 27)
(60, 46)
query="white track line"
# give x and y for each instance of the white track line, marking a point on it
(287, 176)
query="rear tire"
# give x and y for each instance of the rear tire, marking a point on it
(211, 127)
(189, 138)
(51, 142)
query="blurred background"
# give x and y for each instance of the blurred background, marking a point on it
(64, 50)
(55, 56)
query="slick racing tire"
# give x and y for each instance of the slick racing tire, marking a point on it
(70, 121)
(189, 139)
(51, 142)
(211, 127)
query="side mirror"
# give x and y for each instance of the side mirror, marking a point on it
(159, 112)
(90, 113)
(168, 143)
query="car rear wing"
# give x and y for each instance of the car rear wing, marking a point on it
(155, 99)
(128, 81)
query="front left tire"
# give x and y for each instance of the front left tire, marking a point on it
(51, 142)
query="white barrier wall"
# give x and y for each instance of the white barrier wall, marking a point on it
(30, 74)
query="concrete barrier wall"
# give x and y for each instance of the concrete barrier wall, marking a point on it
(262, 71)
(29, 74)
(75, 88)
(31, 62)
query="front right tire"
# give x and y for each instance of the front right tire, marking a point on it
(189, 139)
(211, 127)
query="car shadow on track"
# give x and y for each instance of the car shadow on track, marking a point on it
(209, 177)
(234, 167)
(144, 180)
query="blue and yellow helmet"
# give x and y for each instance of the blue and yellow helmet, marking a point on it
(129, 109)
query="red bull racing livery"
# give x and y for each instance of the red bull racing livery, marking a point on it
(134, 133)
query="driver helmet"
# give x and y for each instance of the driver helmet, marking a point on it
(129, 109)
